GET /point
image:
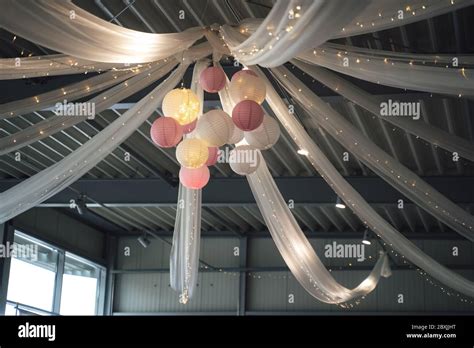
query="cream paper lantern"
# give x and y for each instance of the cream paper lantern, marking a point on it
(214, 128)
(192, 153)
(182, 105)
(244, 159)
(247, 87)
(266, 135)
(237, 134)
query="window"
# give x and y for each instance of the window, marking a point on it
(80, 287)
(45, 280)
(32, 273)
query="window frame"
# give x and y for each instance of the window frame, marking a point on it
(60, 264)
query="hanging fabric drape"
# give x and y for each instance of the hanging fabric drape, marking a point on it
(412, 74)
(357, 203)
(386, 14)
(291, 242)
(381, 15)
(50, 65)
(103, 101)
(296, 249)
(70, 93)
(371, 103)
(184, 256)
(55, 178)
(64, 27)
(388, 168)
(290, 28)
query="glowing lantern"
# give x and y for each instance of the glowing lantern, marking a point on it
(247, 87)
(247, 115)
(243, 71)
(195, 178)
(265, 136)
(192, 153)
(166, 132)
(182, 105)
(215, 128)
(244, 159)
(212, 79)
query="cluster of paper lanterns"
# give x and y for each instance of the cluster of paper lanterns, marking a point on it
(197, 139)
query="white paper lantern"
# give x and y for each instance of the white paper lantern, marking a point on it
(215, 128)
(237, 135)
(265, 136)
(244, 159)
(246, 86)
(192, 153)
(182, 105)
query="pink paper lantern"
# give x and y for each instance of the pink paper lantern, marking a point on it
(243, 71)
(166, 132)
(212, 79)
(188, 128)
(213, 156)
(247, 115)
(194, 178)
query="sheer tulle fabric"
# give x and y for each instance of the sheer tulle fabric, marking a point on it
(64, 27)
(290, 28)
(387, 167)
(184, 257)
(357, 203)
(371, 103)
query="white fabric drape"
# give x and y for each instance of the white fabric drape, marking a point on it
(54, 179)
(49, 65)
(64, 27)
(103, 101)
(71, 92)
(290, 28)
(296, 249)
(371, 103)
(291, 242)
(378, 16)
(184, 256)
(385, 14)
(357, 203)
(388, 168)
(392, 72)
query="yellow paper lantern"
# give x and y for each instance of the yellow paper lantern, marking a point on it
(192, 153)
(182, 105)
(246, 86)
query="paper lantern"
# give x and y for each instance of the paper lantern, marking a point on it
(243, 71)
(215, 128)
(166, 132)
(195, 178)
(182, 105)
(247, 87)
(244, 159)
(212, 79)
(247, 115)
(237, 135)
(188, 128)
(213, 156)
(192, 153)
(265, 136)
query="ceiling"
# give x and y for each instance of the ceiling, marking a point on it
(444, 34)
